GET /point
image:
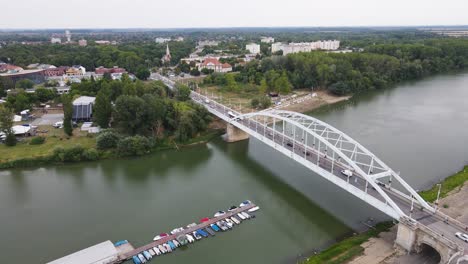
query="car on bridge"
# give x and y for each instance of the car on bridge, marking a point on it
(462, 236)
(347, 173)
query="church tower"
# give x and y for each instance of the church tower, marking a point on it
(167, 57)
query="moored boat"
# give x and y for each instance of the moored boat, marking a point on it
(235, 220)
(219, 213)
(162, 249)
(142, 258)
(245, 203)
(157, 251)
(215, 227)
(136, 260)
(241, 216)
(151, 251)
(210, 231)
(253, 209)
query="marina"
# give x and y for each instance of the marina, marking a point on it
(121, 251)
(197, 229)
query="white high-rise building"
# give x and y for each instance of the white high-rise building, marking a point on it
(162, 40)
(305, 46)
(55, 40)
(68, 35)
(267, 40)
(253, 48)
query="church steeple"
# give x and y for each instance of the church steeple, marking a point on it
(167, 57)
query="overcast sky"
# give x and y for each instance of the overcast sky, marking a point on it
(228, 13)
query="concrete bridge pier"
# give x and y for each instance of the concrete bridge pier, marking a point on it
(234, 134)
(412, 238)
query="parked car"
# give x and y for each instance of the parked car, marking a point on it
(58, 124)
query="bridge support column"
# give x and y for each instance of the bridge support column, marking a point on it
(234, 134)
(406, 237)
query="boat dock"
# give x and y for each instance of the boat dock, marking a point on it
(129, 254)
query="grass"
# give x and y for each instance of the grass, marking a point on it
(55, 137)
(348, 248)
(235, 99)
(451, 183)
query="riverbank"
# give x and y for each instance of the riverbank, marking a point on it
(377, 246)
(61, 149)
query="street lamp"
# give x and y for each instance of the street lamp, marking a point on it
(438, 194)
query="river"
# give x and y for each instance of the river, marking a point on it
(417, 128)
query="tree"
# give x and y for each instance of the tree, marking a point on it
(129, 114)
(182, 92)
(24, 84)
(67, 114)
(282, 84)
(18, 102)
(103, 107)
(195, 72)
(231, 83)
(142, 73)
(6, 124)
(43, 95)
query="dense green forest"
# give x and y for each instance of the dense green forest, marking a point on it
(378, 66)
(129, 56)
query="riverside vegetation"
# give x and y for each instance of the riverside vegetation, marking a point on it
(144, 117)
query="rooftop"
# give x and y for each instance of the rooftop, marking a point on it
(94, 254)
(84, 100)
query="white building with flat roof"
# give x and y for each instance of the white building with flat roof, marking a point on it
(253, 48)
(55, 40)
(267, 40)
(162, 40)
(305, 46)
(102, 253)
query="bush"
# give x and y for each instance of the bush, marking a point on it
(37, 140)
(133, 146)
(76, 153)
(255, 102)
(264, 102)
(91, 154)
(107, 140)
(10, 140)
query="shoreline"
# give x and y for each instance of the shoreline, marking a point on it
(378, 248)
(45, 160)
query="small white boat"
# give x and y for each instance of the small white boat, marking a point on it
(191, 225)
(229, 221)
(162, 249)
(253, 209)
(219, 213)
(176, 243)
(235, 220)
(151, 251)
(229, 225)
(157, 251)
(190, 238)
(246, 215)
(177, 230)
(245, 203)
(241, 216)
(167, 247)
(142, 259)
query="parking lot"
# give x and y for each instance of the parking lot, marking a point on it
(48, 119)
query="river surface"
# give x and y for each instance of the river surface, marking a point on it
(419, 129)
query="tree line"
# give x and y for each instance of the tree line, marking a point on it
(378, 66)
(130, 56)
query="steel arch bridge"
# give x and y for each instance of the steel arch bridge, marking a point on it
(328, 151)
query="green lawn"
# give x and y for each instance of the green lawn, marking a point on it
(348, 248)
(54, 138)
(451, 183)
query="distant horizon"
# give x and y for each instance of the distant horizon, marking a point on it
(240, 27)
(182, 14)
